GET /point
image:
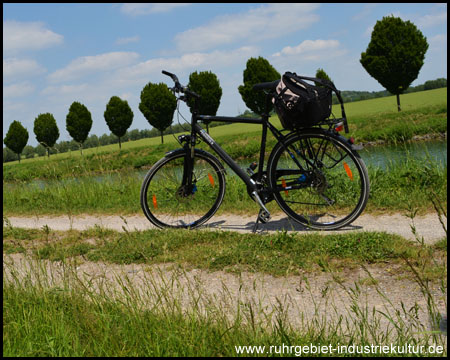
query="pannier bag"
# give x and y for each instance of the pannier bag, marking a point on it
(299, 104)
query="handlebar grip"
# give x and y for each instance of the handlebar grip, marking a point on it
(266, 85)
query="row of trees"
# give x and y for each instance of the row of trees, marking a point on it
(394, 58)
(136, 134)
(157, 105)
(93, 141)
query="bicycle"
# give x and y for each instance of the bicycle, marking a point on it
(314, 174)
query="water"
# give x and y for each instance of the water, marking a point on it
(381, 156)
(384, 155)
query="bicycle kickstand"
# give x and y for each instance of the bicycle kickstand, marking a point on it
(263, 217)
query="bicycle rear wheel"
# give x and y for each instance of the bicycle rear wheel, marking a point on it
(166, 202)
(318, 179)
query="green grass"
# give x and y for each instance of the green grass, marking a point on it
(388, 105)
(45, 322)
(79, 316)
(397, 188)
(279, 254)
(52, 309)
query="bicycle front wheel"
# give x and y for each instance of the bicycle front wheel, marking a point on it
(166, 202)
(318, 179)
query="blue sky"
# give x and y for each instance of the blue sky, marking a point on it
(54, 54)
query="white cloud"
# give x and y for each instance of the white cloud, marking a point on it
(432, 20)
(17, 68)
(188, 62)
(146, 9)
(27, 36)
(66, 91)
(91, 64)
(438, 42)
(264, 22)
(18, 89)
(127, 40)
(309, 48)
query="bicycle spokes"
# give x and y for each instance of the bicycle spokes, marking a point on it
(317, 180)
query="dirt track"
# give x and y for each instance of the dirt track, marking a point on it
(427, 226)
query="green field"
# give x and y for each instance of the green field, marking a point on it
(358, 114)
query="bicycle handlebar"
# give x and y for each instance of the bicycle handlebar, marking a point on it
(179, 87)
(266, 85)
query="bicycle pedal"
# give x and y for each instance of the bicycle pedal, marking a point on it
(263, 216)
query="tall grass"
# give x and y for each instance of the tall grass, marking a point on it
(68, 308)
(393, 189)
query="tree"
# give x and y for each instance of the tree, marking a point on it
(8, 155)
(135, 134)
(208, 87)
(118, 116)
(28, 151)
(16, 138)
(257, 71)
(46, 131)
(158, 105)
(395, 54)
(78, 123)
(92, 141)
(321, 74)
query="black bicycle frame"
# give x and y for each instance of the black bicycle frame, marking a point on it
(263, 121)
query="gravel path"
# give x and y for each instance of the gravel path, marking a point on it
(427, 226)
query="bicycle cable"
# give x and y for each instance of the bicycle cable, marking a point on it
(178, 121)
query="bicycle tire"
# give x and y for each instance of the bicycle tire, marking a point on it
(334, 188)
(164, 201)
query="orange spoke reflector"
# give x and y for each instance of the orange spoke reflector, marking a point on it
(348, 170)
(283, 184)
(155, 204)
(211, 179)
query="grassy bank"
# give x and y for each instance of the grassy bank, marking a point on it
(397, 188)
(369, 120)
(279, 254)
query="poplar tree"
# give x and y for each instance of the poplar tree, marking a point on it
(257, 71)
(158, 105)
(46, 131)
(16, 138)
(118, 116)
(78, 123)
(395, 54)
(206, 84)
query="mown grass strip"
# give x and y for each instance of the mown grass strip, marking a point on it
(276, 254)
